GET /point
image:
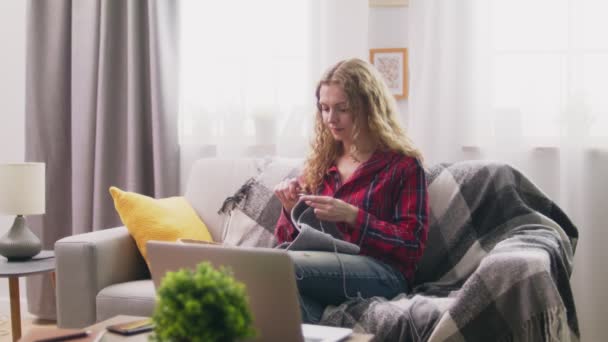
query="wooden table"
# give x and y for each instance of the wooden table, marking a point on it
(41, 263)
(98, 332)
(98, 328)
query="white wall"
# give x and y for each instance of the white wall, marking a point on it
(12, 82)
(12, 106)
(388, 29)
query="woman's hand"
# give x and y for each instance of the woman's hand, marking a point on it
(332, 209)
(287, 192)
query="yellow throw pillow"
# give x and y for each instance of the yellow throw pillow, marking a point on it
(165, 219)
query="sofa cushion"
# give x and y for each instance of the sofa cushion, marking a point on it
(212, 180)
(166, 219)
(254, 209)
(136, 298)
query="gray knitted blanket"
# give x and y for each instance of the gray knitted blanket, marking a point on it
(496, 268)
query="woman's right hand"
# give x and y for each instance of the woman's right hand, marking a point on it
(287, 191)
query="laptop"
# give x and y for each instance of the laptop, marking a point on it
(269, 278)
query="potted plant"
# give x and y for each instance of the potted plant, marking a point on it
(202, 305)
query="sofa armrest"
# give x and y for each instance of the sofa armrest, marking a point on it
(87, 263)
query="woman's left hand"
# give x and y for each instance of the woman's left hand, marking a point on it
(332, 209)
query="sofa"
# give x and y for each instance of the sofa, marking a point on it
(102, 274)
(497, 265)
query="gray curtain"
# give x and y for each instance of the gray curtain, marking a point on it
(101, 110)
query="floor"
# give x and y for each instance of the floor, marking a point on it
(26, 324)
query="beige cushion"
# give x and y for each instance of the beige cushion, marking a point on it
(212, 180)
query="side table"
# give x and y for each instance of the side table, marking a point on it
(41, 263)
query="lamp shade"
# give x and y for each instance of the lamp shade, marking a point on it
(22, 188)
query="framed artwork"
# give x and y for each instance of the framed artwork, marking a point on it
(392, 64)
(388, 3)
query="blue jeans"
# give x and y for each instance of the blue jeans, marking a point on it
(321, 280)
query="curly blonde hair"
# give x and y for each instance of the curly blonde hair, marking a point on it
(371, 104)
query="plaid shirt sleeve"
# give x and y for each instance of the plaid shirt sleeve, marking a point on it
(401, 240)
(285, 230)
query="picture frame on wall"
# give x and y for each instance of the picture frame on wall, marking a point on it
(392, 64)
(388, 3)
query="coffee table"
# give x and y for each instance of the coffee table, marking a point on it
(41, 263)
(37, 333)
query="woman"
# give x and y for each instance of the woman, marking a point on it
(367, 178)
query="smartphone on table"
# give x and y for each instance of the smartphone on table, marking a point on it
(133, 327)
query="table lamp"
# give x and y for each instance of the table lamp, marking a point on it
(22, 192)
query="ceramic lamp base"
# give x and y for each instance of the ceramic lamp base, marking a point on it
(19, 243)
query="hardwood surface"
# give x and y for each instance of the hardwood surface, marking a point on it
(37, 328)
(27, 324)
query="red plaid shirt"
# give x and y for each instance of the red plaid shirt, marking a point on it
(392, 224)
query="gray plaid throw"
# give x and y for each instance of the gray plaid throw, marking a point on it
(496, 268)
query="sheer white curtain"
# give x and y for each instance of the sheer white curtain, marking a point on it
(525, 82)
(248, 70)
(246, 73)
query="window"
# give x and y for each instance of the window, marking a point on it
(246, 70)
(549, 68)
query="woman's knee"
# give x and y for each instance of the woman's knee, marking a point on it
(313, 263)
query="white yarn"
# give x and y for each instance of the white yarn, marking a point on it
(359, 296)
(227, 227)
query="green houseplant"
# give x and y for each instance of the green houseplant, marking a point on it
(202, 305)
